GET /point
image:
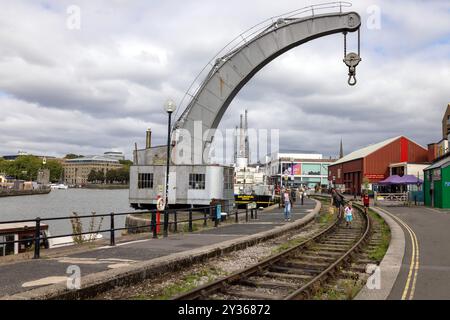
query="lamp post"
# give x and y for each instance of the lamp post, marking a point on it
(170, 108)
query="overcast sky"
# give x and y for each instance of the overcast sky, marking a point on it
(98, 88)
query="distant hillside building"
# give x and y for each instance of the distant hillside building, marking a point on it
(115, 155)
(375, 163)
(76, 171)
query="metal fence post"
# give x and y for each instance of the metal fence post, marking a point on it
(190, 219)
(175, 221)
(153, 223)
(246, 214)
(236, 216)
(166, 223)
(37, 239)
(256, 214)
(251, 214)
(205, 218)
(112, 240)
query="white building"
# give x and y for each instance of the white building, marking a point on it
(298, 169)
(117, 155)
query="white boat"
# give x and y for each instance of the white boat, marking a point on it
(59, 186)
(68, 241)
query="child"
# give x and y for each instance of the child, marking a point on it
(348, 215)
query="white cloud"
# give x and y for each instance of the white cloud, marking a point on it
(99, 88)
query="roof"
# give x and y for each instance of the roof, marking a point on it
(364, 152)
(440, 163)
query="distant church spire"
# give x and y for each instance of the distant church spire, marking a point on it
(341, 151)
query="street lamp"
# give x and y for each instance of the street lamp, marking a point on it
(170, 107)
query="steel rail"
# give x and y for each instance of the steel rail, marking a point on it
(221, 284)
(214, 286)
(308, 288)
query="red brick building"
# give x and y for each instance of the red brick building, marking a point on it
(373, 162)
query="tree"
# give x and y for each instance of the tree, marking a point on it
(73, 156)
(92, 176)
(56, 170)
(111, 176)
(100, 176)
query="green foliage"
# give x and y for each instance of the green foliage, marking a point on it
(56, 170)
(126, 163)
(27, 167)
(118, 176)
(73, 156)
(96, 176)
(77, 228)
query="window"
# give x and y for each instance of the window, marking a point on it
(145, 181)
(196, 181)
(228, 178)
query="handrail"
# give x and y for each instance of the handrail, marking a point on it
(204, 213)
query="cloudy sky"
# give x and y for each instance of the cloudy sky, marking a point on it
(98, 88)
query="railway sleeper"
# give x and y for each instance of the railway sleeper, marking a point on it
(314, 258)
(269, 284)
(297, 277)
(297, 263)
(322, 253)
(253, 295)
(281, 268)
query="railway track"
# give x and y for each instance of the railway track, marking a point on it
(296, 273)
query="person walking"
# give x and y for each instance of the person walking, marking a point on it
(348, 215)
(366, 201)
(287, 205)
(337, 200)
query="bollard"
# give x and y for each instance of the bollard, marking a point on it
(37, 239)
(256, 214)
(153, 223)
(166, 223)
(216, 221)
(251, 214)
(205, 218)
(236, 216)
(112, 237)
(190, 220)
(175, 221)
(246, 214)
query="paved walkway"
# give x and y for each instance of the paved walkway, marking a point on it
(25, 275)
(426, 273)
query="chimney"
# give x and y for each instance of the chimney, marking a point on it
(148, 139)
(432, 151)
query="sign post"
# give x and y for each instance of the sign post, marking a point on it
(160, 205)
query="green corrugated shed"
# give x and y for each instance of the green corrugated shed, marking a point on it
(437, 184)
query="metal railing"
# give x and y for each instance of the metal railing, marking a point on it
(193, 214)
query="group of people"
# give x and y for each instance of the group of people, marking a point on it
(338, 201)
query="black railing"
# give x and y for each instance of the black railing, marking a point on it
(193, 215)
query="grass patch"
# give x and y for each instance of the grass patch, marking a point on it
(378, 253)
(348, 291)
(287, 245)
(183, 285)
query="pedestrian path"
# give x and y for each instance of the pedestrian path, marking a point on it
(30, 274)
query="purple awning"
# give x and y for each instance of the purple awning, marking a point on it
(410, 179)
(391, 180)
(395, 179)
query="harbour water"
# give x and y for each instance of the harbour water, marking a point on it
(59, 203)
